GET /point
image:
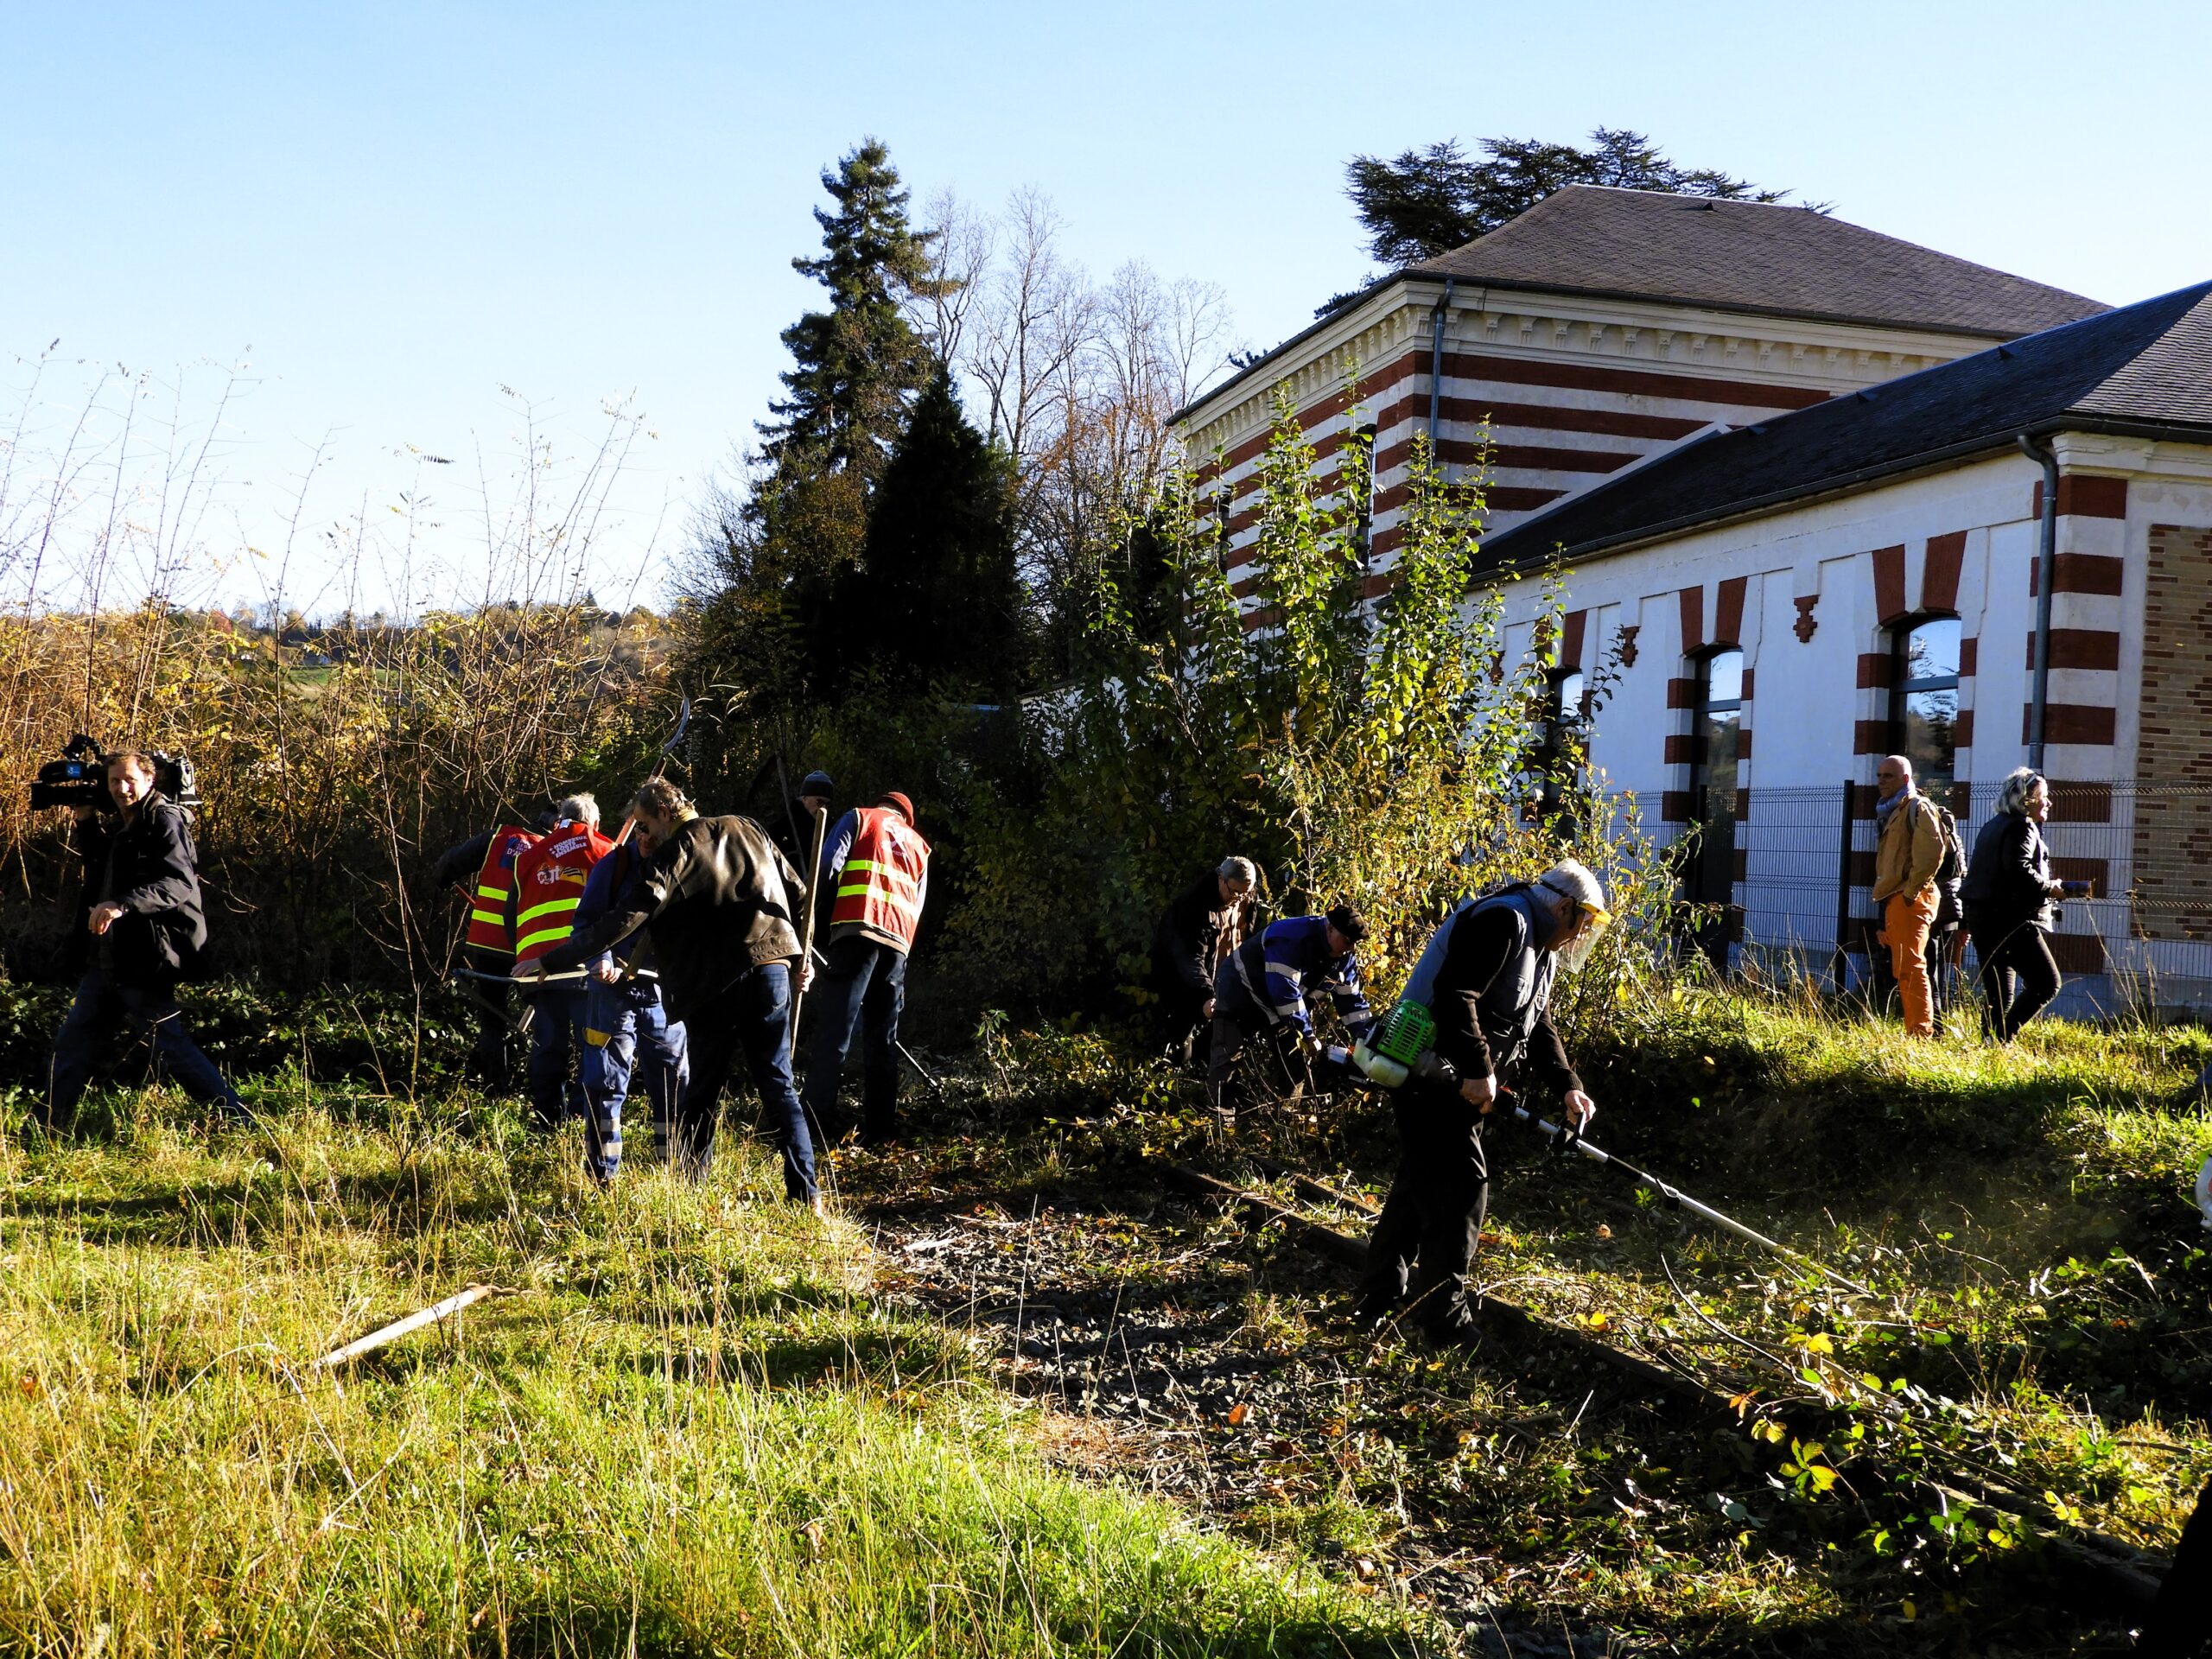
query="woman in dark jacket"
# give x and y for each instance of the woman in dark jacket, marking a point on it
(2011, 904)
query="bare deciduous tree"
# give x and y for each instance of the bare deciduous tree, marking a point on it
(1078, 380)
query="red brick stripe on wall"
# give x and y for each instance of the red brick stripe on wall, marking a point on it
(1870, 737)
(1962, 728)
(1693, 603)
(1682, 750)
(1681, 694)
(2080, 573)
(2081, 496)
(1743, 743)
(2081, 648)
(1749, 675)
(1527, 458)
(1742, 806)
(1939, 577)
(1969, 658)
(2070, 722)
(1874, 670)
(2097, 872)
(1674, 806)
(1553, 417)
(1643, 383)
(1728, 613)
(1570, 653)
(1888, 583)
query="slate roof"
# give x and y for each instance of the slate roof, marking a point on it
(2145, 369)
(1749, 255)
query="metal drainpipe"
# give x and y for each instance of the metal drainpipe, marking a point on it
(1436, 368)
(2046, 567)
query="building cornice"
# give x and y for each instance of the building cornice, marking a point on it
(1569, 328)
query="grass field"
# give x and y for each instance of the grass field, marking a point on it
(698, 1422)
(692, 1426)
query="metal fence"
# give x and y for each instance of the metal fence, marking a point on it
(1805, 865)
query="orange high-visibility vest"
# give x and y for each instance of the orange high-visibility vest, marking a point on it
(549, 884)
(879, 886)
(490, 902)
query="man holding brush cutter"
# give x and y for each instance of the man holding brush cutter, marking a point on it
(1476, 1008)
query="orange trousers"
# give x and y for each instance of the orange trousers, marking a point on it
(1906, 918)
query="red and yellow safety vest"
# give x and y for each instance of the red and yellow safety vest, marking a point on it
(549, 884)
(880, 887)
(490, 902)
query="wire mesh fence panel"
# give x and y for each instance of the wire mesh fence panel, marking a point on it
(2142, 938)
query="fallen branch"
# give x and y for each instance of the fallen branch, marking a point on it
(383, 1336)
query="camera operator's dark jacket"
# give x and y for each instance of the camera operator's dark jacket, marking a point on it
(716, 901)
(163, 926)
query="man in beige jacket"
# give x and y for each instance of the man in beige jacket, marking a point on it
(1907, 855)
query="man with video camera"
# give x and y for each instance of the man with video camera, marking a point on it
(142, 923)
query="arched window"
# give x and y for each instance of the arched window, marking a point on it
(1716, 743)
(1924, 700)
(1566, 734)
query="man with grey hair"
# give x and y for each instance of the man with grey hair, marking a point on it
(1202, 924)
(1908, 851)
(1485, 980)
(549, 877)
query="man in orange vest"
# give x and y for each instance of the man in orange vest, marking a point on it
(483, 868)
(549, 877)
(878, 866)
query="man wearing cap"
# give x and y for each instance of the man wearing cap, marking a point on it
(1485, 977)
(1202, 924)
(1262, 990)
(878, 866)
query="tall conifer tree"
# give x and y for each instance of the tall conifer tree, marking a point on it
(768, 641)
(935, 601)
(855, 366)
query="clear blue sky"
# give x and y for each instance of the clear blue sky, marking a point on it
(401, 209)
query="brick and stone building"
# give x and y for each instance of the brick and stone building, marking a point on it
(1787, 599)
(1598, 328)
(1782, 458)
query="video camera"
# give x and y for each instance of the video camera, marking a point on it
(79, 778)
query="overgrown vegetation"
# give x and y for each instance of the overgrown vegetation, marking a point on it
(2021, 1217)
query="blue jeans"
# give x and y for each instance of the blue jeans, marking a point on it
(752, 1014)
(151, 1012)
(625, 1027)
(557, 1036)
(865, 985)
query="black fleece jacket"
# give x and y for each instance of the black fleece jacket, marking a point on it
(147, 866)
(1483, 945)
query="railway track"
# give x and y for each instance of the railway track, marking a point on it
(2125, 1579)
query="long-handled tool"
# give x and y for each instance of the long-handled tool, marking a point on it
(1674, 1195)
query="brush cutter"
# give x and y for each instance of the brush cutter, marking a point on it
(1572, 1140)
(1357, 1066)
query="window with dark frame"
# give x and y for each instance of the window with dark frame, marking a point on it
(1716, 743)
(1566, 720)
(1924, 701)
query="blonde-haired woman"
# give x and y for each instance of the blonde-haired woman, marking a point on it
(2011, 905)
